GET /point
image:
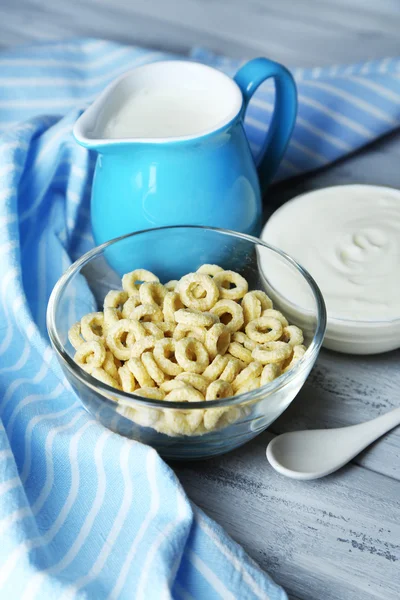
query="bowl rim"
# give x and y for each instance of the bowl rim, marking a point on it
(130, 399)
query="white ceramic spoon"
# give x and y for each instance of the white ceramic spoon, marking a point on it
(319, 452)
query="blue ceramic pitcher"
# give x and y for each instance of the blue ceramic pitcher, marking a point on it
(206, 175)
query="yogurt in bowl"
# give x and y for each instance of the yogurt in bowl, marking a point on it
(348, 238)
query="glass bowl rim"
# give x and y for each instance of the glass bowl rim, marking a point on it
(130, 399)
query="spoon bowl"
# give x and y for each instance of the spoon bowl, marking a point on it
(315, 453)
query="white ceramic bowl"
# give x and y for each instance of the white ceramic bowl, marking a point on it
(344, 333)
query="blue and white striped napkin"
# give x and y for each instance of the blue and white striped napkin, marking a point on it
(83, 512)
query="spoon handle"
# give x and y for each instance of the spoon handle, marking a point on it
(371, 430)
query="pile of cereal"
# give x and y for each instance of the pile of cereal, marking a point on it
(204, 337)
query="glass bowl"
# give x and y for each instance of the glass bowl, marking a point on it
(170, 252)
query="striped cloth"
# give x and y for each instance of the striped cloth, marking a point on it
(83, 512)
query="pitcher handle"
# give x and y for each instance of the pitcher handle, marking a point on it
(249, 78)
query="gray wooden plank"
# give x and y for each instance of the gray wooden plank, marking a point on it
(335, 16)
(303, 33)
(331, 539)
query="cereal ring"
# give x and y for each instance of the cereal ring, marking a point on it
(256, 330)
(143, 345)
(171, 285)
(152, 292)
(164, 350)
(230, 313)
(166, 327)
(115, 299)
(101, 375)
(191, 355)
(252, 371)
(130, 305)
(238, 351)
(153, 329)
(147, 312)
(74, 335)
(172, 303)
(146, 417)
(212, 416)
(216, 390)
(298, 353)
(129, 280)
(251, 307)
(152, 368)
(127, 379)
(219, 389)
(217, 340)
(265, 300)
(249, 385)
(195, 318)
(188, 283)
(276, 314)
(117, 334)
(198, 292)
(183, 422)
(210, 270)
(270, 372)
(109, 365)
(223, 279)
(215, 369)
(139, 372)
(139, 331)
(199, 333)
(172, 384)
(272, 352)
(293, 335)
(182, 331)
(232, 369)
(146, 328)
(92, 326)
(243, 339)
(90, 355)
(150, 392)
(199, 382)
(233, 414)
(111, 317)
(185, 393)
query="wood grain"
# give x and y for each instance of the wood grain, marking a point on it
(297, 32)
(331, 539)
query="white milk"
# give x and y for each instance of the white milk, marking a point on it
(162, 114)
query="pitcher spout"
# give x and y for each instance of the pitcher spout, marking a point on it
(168, 101)
(90, 129)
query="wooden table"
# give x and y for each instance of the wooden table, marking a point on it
(336, 538)
(331, 539)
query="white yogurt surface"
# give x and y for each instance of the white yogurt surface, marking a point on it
(348, 238)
